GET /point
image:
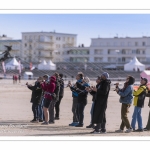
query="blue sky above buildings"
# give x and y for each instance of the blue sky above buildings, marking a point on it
(86, 26)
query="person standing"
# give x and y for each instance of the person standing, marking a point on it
(48, 87)
(100, 106)
(35, 98)
(13, 79)
(126, 98)
(61, 94)
(139, 97)
(19, 78)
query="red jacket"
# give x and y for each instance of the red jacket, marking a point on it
(49, 87)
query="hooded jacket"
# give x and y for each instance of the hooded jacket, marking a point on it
(49, 87)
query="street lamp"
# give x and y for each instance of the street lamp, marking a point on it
(117, 51)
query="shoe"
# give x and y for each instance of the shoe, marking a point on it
(79, 125)
(57, 118)
(73, 124)
(103, 131)
(95, 132)
(51, 122)
(33, 120)
(90, 126)
(129, 130)
(145, 129)
(139, 130)
(119, 131)
(45, 123)
(40, 120)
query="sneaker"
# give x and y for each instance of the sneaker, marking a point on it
(79, 125)
(90, 126)
(51, 122)
(95, 132)
(40, 120)
(45, 123)
(33, 120)
(57, 118)
(145, 129)
(139, 130)
(129, 130)
(119, 131)
(73, 124)
(103, 131)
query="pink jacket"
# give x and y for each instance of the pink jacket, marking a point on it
(49, 87)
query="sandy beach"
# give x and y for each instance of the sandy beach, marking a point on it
(16, 113)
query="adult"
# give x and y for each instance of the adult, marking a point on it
(61, 94)
(35, 98)
(126, 98)
(48, 87)
(19, 78)
(100, 106)
(139, 97)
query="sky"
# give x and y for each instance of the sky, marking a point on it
(86, 26)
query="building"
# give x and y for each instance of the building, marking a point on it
(38, 46)
(16, 45)
(115, 50)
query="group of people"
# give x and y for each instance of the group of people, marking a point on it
(48, 92)
(15, 78)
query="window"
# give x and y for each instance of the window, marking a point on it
(143, 44)
(39, 53)
(137, 51)
(123, 59)
(123, 51)
(143, 52)
(108, 51)
(136, 43)
(25, 45)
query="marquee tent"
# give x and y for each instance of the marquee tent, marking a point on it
(134, 65)
(42, 65)
(13, 64)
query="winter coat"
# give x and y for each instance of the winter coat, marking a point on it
(93, 93)
(61, 92)
(49, 88)
(126, 96)
(101, 101)
(36, 93)
(57, 89)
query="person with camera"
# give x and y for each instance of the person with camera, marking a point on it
(139, 98)
(126, 98)
(79, 78)
(35, 98)
(93, 93)
(48, 87)
(100, 106)
(53, 102)
(61, 94)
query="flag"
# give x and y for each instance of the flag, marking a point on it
(19, 67)
(3, 65)
(30, 65)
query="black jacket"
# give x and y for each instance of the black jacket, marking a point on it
(101, 101)
(36, 93)
(93, 93)
(57, 89)
(61, 92)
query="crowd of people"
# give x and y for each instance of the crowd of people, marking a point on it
(48, 92)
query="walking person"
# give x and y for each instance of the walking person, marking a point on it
(93, 93)
(48, 87)
(35, 98)
(100, 106)
(19, 78)
(79, 78)
(126, 98)
(61, 94)
(139, 97)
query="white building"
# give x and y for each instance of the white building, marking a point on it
(38, 46)
(16, 45)
(112, 50)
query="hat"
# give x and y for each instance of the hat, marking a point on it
(105, 74)
(86, 79)
(53, 78)
(144, 80)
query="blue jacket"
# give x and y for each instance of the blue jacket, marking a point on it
(126, 96)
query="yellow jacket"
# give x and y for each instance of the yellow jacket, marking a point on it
(136, 95)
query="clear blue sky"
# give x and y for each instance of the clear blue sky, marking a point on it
(86, 26)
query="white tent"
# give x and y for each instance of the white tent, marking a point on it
(51, 66)
(134, 65)
(28, 75)
(42, 65)
(13, 64)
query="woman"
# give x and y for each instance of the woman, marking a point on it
(126, 98)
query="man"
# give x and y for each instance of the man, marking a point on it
(102, 92)
(139, 97)
(61, 94)
(35, 98)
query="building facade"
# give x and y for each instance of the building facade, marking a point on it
(111, 50)
(38, 46)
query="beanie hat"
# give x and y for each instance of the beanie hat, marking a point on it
(106, 75)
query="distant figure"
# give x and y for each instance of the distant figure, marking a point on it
(138, 70)
(82, 45)
(19, 77)
(13, 79)
(16, 78)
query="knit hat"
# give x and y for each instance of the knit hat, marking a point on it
(106, 75)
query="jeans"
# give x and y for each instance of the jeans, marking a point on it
(75, 109)
(57, 109)
(51, 110)
(91, 112)
(35, 109)
(80, 113)
(137, 116)
(41, 113)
